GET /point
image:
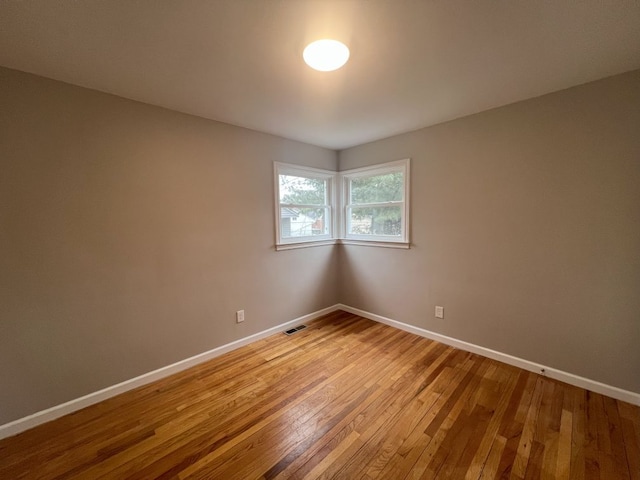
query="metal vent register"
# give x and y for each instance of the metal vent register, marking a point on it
(293, 330)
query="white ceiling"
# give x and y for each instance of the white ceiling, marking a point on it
(413, 63)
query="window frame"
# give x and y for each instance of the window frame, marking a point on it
(345, 177)
(328, 238)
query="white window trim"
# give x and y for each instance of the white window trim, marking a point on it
(308, 241)
(376, 240)
(337, 206)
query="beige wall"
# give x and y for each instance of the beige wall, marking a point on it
(130, 235)
(525, 227)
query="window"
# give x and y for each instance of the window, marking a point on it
(373, 206)
(375, 203)
(304, 202)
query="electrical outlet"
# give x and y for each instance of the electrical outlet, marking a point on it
(240, 316)
(439, 312)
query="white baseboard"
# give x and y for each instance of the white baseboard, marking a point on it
(22, 424)
(570, 378)
(25, 423)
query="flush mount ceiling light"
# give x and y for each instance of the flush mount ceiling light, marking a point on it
(326, 55)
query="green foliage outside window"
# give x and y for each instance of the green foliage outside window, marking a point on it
(378, 220)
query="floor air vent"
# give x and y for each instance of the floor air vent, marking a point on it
(293, 330)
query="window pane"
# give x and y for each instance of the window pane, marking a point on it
(376, 220)
(303, 222)
(302, 190)
(378, 188)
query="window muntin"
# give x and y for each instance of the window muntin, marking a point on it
(304, 204)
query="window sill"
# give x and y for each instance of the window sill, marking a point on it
(293, 246)
(375, 243)
(343, 241)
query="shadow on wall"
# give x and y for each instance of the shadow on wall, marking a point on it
(371, 279)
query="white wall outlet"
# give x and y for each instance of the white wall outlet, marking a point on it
(240, 316)
(439, 312)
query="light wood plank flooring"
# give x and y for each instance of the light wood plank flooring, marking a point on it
(346, 398)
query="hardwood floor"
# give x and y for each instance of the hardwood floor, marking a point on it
(345, 398)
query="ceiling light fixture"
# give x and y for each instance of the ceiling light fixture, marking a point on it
(326, 55)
